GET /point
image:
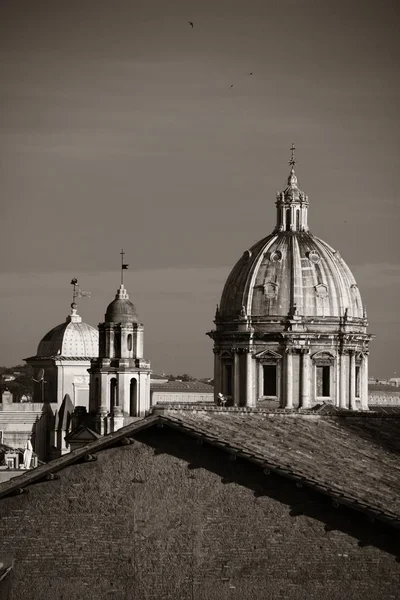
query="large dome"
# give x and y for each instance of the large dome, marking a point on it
(289, 271)
(72, 339)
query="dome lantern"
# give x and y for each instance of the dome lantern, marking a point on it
(292, 203)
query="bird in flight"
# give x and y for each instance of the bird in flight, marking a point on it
(232, 85)
(191, 24)
(250, 73)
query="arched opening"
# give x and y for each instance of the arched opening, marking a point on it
(129, 342)
(227, 379)
(288, 220)
(133, 399)
(113, 392)
(117, 344)
(297, 220)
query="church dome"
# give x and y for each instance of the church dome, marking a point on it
(291, 271)
(72, 339)
(121, 309)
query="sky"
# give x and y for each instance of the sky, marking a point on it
(120, 129)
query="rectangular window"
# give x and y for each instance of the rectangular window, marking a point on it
(323, 381)
(357, 382)
(228, 380)
(269, 374)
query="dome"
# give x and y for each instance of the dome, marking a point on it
(121, 309)
(288, 271)
(291, 271)
(70, 339)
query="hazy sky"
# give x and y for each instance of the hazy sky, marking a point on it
(119, 128)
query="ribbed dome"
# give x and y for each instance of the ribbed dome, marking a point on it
(70, 339)
(121, 310)
(289, 271)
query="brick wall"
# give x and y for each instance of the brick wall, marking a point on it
(167, 518)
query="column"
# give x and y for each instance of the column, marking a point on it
(352, 391)
(236, 379)
(364, 383)
(217, 374)
(337, 380)
(288, 400)
(260, 374)
(305, 379)
(250, 396)
(343, 381)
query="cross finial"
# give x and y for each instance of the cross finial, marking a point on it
(292, 160)
(123, 266)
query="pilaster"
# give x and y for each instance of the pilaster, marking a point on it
(236, 378)
(364, 383)
(352, 381)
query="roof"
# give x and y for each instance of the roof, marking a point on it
(352, 459)
(121, 309)
(287, 268)
(70, 339)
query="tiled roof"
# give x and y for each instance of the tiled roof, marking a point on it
(352, 460)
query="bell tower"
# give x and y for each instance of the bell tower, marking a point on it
(120, 376)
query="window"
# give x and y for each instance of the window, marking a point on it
(358, 382)
(323, 381)
(129, 342)
(297, 220)
(113, 392)
(269, 383)
(133, 400)
(288, 211)
(228, 380)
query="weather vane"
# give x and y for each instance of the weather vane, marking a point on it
(292, 160)
(123, 266)
(77, 292)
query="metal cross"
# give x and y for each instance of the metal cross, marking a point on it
(292, 160)
(122, 266)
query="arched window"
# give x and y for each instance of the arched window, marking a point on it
(117, 344)
(113, 392)
(297, 220)
(288, 220)
(133, 400)
(129, 342)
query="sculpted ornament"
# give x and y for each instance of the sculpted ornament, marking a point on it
(81, 379)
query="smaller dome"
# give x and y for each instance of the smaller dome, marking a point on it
(121, 309)
(70, 339)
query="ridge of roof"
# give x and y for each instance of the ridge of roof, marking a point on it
(375, 510)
